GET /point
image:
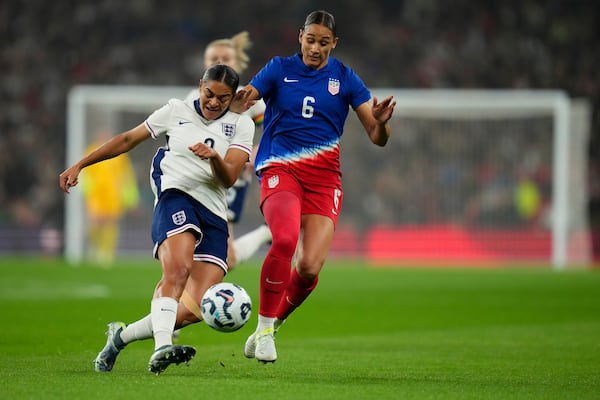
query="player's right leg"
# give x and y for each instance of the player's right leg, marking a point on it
(282, 213)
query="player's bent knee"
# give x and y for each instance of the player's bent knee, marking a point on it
(308, 270)
(308, 275)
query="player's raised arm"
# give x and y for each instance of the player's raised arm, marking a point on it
(118, 144)
(374, 117)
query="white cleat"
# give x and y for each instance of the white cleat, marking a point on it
(250, 346)
(105, 360)
(264, 346)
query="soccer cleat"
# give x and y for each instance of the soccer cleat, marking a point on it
(264, 346)
(170, 354)
(105, 360)
(250, 346)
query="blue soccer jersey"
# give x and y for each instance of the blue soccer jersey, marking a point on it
(305, 111)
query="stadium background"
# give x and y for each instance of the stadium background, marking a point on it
(48, 47)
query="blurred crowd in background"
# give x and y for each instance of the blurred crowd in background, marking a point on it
(48, 47)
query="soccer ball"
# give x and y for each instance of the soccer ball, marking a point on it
(226, 307)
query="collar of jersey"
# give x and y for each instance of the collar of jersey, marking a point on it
(202, 118)
(308, 71)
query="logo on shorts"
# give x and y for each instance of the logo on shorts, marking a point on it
(228, 130)
(337, 195)
(334, 86)
(179, 217)
(273, 181)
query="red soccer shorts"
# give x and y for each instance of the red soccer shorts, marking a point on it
(320, 191)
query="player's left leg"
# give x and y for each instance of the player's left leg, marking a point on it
(316, 240)
(321, 207)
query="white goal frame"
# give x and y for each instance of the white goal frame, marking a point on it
(118, 97)
(469, 102)
(409, 102)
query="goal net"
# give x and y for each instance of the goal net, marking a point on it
(490, 177)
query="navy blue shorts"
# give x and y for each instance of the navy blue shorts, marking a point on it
(236, 195)
(177, 212)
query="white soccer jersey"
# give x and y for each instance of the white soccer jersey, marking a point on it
(174, 166)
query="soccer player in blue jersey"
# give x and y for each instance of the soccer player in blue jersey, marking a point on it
(207, 146)
(307, 98)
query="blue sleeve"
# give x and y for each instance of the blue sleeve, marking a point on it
(264, 80)
(359, 93)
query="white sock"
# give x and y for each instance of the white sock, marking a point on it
(264, 323)
(247, 245)
(163, 312)
(138, 330)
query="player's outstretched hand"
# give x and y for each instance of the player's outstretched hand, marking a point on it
(69, 178)
(241, 101)
(383, 111)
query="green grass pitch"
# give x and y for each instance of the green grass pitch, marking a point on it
(364, 334)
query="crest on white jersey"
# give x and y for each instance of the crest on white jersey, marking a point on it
(179, 217)
(228, 130)
(273, 181)
(334, 86)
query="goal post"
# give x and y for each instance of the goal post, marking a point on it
(508, 103)
(566, 219)
(448, 187)
(93, 107)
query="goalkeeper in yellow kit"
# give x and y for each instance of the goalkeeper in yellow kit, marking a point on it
(110, 190)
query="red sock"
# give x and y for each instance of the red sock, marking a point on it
(274, 278)
(297, 291)
(282, 214)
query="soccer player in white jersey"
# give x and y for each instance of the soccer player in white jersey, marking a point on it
(232, 52)
(207, 146)
(308, 97)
